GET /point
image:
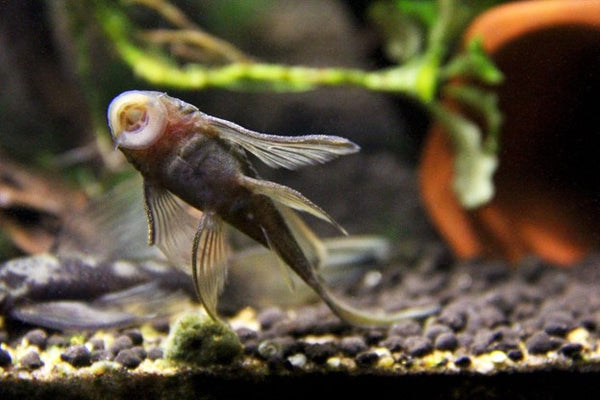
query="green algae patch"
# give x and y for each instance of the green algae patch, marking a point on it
(199, 340)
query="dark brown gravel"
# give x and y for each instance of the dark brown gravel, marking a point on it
(155, 353)
(541, 343)
(320, 352)
(462, 361)
(406, 328)
(128, 358)
(515, 355)
(77, 356)
(572, 350)
(418, 346)
(135, 335)
(31, 360)
(5, 358)
(121, 343)
(517, 312)
(446, 341)
(486, 307)
(352, 345)
(37, 337)
(366, 358)
(394, 343)
(139, 352)
(97, 344)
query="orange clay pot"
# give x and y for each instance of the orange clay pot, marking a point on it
(548, 183)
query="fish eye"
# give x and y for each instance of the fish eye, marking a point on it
(136, 119)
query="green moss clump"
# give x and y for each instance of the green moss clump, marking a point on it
(198, 339)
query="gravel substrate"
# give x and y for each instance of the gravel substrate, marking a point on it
(495, 321)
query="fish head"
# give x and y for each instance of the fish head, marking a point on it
(137, 119)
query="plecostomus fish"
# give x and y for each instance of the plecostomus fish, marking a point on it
(101, 274)
(191, 162)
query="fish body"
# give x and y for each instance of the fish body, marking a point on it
(77, 292)
(188, 158)
(209, 175)
(101, 275)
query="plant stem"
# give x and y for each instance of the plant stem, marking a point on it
(417, 78)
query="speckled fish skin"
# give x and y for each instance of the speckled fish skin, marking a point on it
(80, 292)
(184, 154)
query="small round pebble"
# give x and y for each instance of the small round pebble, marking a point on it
(433, 331)
(246, 334)
(541, 343)
(5, 358)
(121, 343)
(135, 335)
(418, 346)
(297, 360)
(31, 360)
(558, 324)
(374, 336)
(571, 349)
(515, 355)
(405, 329)
(251, 347)
(493, 316)
(465, 339)
(139, 351)
(393, 343)
(155, 353)
(97, 343)
(586, 322)
(319, 352)
(446, 341)
(455, 319)
(162, 325)
(128, 359)
(37, 337)
(366, 358)
(77, 356)
(483, 340)
(462, 361)
(352, 345)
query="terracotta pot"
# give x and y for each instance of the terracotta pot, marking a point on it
(548, 182)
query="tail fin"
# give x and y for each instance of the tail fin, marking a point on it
(363, 318)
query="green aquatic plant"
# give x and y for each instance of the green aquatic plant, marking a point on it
(420, 73)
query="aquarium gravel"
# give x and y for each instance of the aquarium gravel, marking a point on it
(494, 319)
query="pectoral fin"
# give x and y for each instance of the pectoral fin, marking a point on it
(288, 197)
(109, 226)
(283, 151)
(170, 226)
(209, 261)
